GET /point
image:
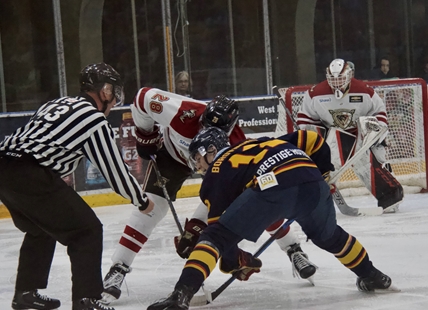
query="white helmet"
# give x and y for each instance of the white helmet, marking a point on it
(339, 75)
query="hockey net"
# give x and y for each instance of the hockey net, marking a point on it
(407, 110)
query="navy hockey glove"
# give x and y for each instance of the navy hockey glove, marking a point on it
(185, 243)
(148, 143)
(246, 265)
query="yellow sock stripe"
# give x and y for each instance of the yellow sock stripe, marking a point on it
(203, 250)
(345, 248)
(201, 269)
(203, 258)
(213, 220)
(358, 260)
(353, 254)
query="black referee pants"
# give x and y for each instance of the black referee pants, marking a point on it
(47, 210)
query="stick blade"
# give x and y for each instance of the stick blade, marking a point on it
(345, 209)
(370, 211)
(198, 301)
(202, 300)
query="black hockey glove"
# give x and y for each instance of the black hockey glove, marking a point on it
(242, 269)
(185, 243)
(148, 143)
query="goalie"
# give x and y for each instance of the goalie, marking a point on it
(352, 113)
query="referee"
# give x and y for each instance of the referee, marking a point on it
(32, 161)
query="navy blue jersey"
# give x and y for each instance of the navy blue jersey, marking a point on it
(289, 160)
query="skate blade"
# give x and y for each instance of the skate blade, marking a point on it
(202, 300)
(106, 298)
(391, 289)
(311, 280)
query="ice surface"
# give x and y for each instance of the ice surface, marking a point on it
(397, 244)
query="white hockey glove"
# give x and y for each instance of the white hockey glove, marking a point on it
(369, 126)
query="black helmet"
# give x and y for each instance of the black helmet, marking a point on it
(205, 139)
(94, 77)
(221, 112)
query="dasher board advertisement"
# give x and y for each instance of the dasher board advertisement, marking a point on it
(257, 116)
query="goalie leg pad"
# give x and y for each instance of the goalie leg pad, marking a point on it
(388, 191)
(341, 145)
(380, 182)
(318, 129)
(380, 153)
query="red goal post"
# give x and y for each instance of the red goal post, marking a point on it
(407, 108)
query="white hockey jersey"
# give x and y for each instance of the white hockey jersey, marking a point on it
(321, 108)
(178, 117)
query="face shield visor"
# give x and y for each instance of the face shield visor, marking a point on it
(119, 94)
(116, 91)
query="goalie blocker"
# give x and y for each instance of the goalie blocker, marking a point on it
(370, 169)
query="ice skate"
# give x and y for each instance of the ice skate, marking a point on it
(90, 304)
(302, 267)
(375, 283)
(391, 202)
(33, 300)
(113, 282)
(178, 300)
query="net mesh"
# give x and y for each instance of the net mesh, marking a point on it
(404, 101)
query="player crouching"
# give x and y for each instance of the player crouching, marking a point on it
(253, 184)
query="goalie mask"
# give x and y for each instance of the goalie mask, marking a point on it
(221, 112)
(206, 141)
(339, 75)
(99, 76)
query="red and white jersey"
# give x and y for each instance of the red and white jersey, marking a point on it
(321, 108)
(178, 116)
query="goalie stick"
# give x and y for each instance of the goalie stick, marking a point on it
(343, 207)
(209, 297)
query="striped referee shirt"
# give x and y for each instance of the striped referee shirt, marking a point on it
(63, 131)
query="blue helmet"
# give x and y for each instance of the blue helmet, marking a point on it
(207, 138)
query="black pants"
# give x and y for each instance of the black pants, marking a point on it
(47, 210)
(172, 171)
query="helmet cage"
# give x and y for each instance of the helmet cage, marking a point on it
(339, 75)
(207, 141)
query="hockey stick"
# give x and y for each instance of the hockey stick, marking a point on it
(209, 297)
(276, 92)
(165, 193)
(171, 206)
(350, 162)
(343, 207)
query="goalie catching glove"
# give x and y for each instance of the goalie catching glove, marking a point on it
(148, 143)
(185, 243)
(246, 265)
